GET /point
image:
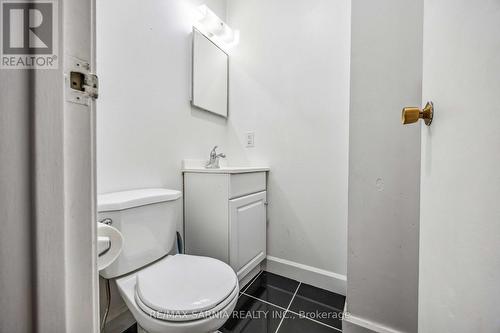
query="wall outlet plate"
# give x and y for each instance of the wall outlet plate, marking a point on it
(250, 139)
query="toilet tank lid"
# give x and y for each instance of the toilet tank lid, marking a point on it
(134, 198)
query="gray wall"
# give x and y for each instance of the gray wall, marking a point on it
(384, 164)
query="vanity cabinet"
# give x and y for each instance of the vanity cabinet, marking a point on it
(225, 217)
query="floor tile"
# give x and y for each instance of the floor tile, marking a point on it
(295, 324)
(273, 288)
(319, 304)
(253, 316)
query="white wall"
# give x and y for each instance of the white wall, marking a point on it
(145, 123)
(384, 165)
(289, 83)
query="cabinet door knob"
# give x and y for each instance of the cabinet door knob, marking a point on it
(412, 114)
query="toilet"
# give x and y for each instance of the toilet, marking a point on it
(165, 293)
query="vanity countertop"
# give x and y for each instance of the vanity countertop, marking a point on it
(196, 166)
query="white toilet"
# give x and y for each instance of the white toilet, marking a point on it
(165, 293)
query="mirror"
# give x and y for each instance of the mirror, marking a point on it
(209, 75)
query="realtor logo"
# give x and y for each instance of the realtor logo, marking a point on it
(29, 34)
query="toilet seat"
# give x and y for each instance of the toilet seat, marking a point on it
(184, 288)
(216, 312)
(127, 287)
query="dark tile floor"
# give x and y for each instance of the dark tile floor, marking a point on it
(271, 303)
(132, 329)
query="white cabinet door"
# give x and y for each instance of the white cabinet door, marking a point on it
(247, 230)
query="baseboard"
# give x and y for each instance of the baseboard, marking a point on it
(353, 322)
(250, 276)
(311, 275)
(120, 322)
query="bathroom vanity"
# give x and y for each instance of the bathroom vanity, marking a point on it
(225, 215)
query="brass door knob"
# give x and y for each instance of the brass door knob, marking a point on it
(413, 114)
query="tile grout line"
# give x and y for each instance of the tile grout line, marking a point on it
(287, 309)
(295, 313)
(251, 282)
(282, 308)
(261, 300)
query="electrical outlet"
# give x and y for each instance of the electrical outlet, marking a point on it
(250, 139)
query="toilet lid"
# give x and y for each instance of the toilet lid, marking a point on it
(184, 284)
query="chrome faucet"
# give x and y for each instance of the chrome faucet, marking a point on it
(213, 163)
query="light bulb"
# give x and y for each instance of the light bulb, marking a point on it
(213, 27)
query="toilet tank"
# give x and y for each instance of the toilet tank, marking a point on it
(147, 219)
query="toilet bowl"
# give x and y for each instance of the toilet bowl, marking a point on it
(181, 294)
(165, 293)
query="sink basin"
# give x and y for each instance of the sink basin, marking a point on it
(199, 166)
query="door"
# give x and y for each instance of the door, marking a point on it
(48, 268)
(459, 283)
(247, 232)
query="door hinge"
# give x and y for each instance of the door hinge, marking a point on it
(87, 83)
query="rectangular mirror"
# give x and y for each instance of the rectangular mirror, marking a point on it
(209, 75)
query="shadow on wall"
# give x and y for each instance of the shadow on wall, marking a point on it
(208, 116)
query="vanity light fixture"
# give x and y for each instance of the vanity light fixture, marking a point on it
(214, 28)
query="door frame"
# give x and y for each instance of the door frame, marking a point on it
(82, 285)
(65, 278)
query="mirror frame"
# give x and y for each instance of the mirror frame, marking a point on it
(192, 74)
